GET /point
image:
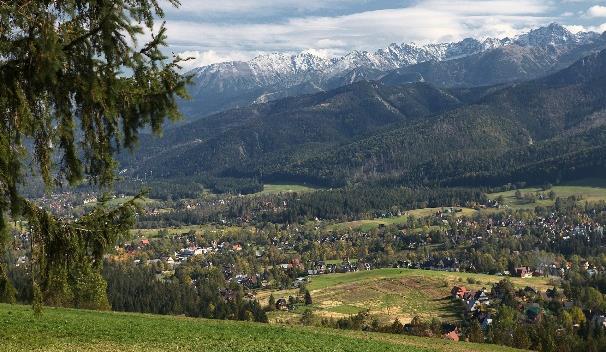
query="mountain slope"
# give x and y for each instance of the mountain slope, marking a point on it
(557, 119)
(515, 62)
(287, 127)
(408, 134)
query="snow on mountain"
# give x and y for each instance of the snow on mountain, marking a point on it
(555, 35)
(266, 77)
(275, 68)
(280, 68)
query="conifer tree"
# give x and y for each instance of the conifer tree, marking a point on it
(79, 78)
(271, 303)
(475, 333)
(308, 300)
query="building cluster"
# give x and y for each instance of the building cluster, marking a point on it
(320, 267)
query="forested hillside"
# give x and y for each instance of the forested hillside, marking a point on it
(408, 134)
(285, 130)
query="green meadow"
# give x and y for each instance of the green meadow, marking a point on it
(393, 293)
(72, 330)
(366, 225)
(286, 188)
(589, 190)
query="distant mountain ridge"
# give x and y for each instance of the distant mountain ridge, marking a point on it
(227, 85)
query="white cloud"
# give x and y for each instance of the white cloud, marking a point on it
(422, 22)
(202, 58)
(576, 28)
(324, 53)
(487, 7)
(600, 28)
(597, 11)
(202, 7)
(428, 21)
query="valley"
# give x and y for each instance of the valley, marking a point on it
(430, 196)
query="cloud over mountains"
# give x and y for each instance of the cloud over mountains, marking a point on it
(241, 29)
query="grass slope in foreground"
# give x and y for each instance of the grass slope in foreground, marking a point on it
(79, 330)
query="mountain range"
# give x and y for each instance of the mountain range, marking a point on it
(543, 129)
(466, 63)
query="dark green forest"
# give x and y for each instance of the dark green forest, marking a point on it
(546, 130)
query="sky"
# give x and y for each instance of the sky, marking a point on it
(227, 30)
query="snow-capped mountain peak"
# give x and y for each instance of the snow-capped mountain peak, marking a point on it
(272, 76)
(553, 34)
(281, 68)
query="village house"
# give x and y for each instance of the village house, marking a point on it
(485, 320)
(316, 268)
(600, 320)
(281, 304)
(402, 264)
(474, 300)
(473, 305)
(90, 200)
(331, 268)
(170, 262)
(347, 267)
(300, 281)
(364, 266)
(452, 335)
(524, 272)
(20, 261)
(458, 292)
(534, 313)
(482, 297)
(584, 265)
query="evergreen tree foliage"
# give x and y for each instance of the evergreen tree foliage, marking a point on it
(308, 300)
(271, 305)
(307, 317)
(475, 333)
(79, 79)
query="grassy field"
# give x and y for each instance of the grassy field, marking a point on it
(393, 293)
(78, 330)
(590, 190)
(285, 188)
(366, 225)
